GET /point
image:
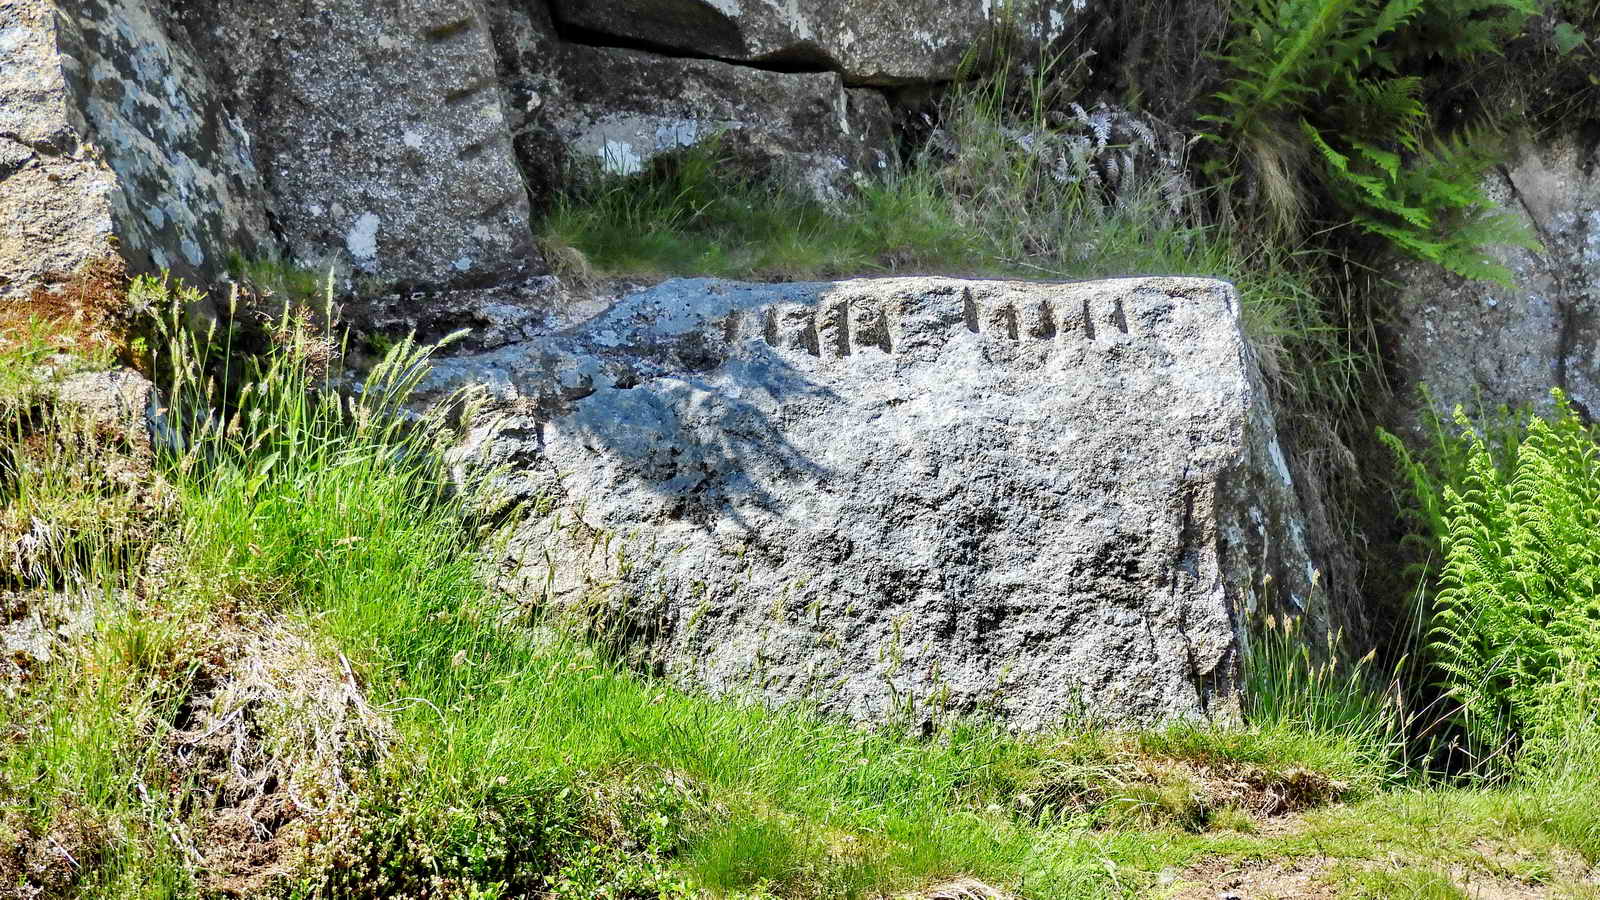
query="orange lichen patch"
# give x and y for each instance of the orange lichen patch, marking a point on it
(83, 313)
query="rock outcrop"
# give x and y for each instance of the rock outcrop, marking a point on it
(407, 143)
(581, 111)
(54, 201)
(109, 129)
(380, 132)
(1483, 345)
(372, 143)
(914, 41)
(891, 497)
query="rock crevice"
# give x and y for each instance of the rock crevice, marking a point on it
(398, 144)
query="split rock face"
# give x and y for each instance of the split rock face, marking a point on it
(578, 111)
(1482, 345)
(380, 132)
(907, 496)
(404, 143)
(872, 42)
(366, 137)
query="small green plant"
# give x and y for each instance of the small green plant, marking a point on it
(1517, 619)
(1294, 688)
(24, 348)
(1358, 883)
(290, 284)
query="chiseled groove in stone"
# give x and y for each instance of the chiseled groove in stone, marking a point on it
(1032, 524)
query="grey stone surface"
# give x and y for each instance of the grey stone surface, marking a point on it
(188, 193)
(1484, 345)
(56, 198)
(380, 133)
(898, 496)
(369, 137)
(579, 111)
(119, 399)
(397, 143)
(875, 42)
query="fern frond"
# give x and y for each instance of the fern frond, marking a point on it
(1515, 631)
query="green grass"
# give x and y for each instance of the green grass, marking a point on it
(513, 716)
(1330, 697)
(88, 780)
(694, 219)
(291, 284)
(24, 349)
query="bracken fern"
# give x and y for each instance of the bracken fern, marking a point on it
(1334, 88)
(1516, 625)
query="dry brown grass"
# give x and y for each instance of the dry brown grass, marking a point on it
(83, 313)
(277, 739)
(1122, 784)
(77, 473)
(959, 889)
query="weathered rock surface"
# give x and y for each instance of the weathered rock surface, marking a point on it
(1473, 342)
(120, 400)
(900, 495)
(367, 137)
(189, 193)
(83, 138)
(401, 143)
(380, 133)
(579, 111)
(869, 43)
